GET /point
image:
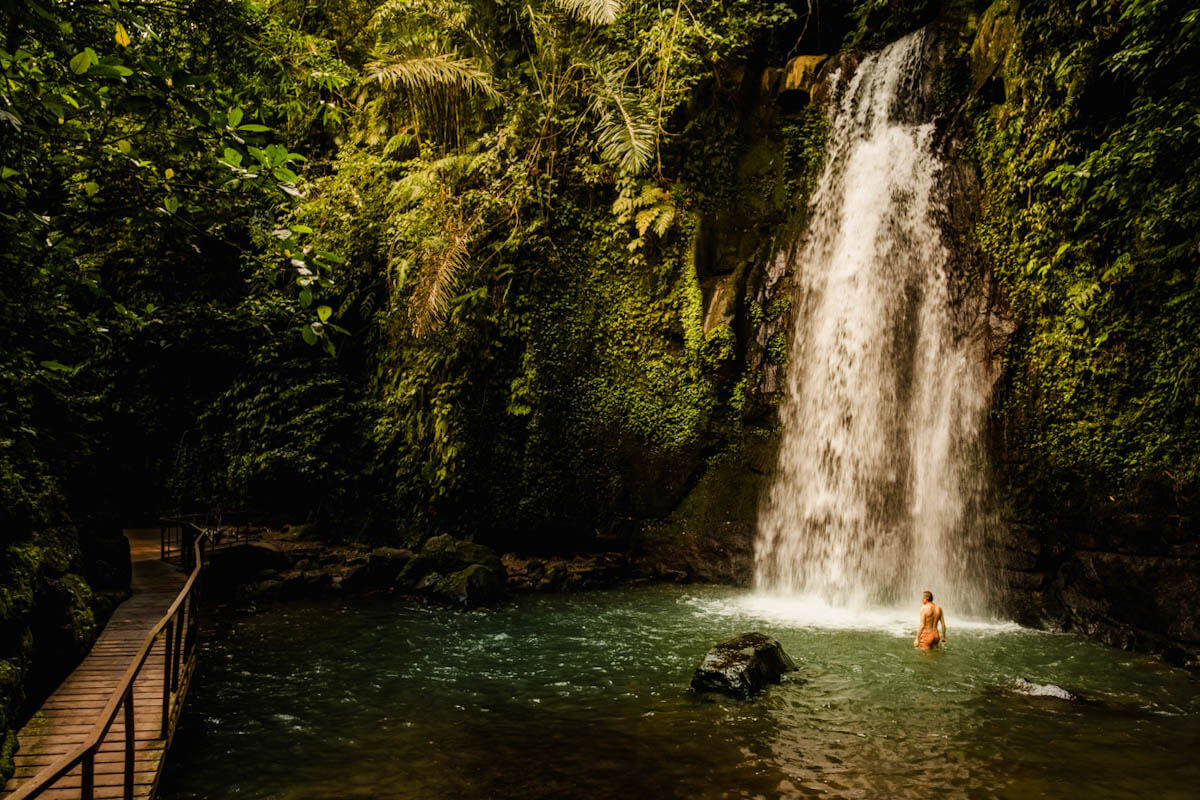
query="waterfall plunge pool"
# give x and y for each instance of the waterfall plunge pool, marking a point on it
(585, 695)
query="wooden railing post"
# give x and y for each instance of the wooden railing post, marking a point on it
(130, 740)
(175, 657)
(87, 779)
(189, 632)
(166, 692)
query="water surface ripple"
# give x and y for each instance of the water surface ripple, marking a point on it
(555, 696)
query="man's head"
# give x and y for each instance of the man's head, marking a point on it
(926, 597)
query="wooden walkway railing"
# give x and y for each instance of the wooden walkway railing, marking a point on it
(173, 638)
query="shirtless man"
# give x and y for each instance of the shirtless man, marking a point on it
(931, 617)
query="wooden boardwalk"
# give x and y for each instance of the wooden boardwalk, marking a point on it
(65, 719)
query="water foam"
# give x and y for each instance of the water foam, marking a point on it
(814, 612)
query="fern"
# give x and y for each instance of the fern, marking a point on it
(652, 209)
(597, 12)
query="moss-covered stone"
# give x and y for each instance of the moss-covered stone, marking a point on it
(471, 587)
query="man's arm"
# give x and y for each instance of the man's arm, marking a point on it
(942, 622)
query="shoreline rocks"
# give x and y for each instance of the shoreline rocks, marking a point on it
(742, 667)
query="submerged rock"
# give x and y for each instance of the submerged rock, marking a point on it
(742, 666)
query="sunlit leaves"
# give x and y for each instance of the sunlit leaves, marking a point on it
(83, 61)
(597, 12)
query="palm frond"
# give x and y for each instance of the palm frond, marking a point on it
(597, 12)
(444, 262)
(625, 133)
(449, 15)
(430, 73)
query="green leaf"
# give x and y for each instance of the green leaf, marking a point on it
(124, 146)
(57, 366)
(253, 128)
(232, 156)
(306, 297)
(284, 174)
(309, 336)
(7, 172)
(80, 62)
(171, 204)
(235, 117)
(324, 313)
(301, 229)
(91, 187)
(110, 71)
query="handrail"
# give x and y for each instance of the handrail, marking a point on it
(179, 658)
(220, 536)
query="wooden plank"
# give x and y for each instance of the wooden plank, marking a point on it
(106, 760)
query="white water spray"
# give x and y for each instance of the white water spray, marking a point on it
(882, 482)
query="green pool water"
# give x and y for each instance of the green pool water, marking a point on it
(585, 695)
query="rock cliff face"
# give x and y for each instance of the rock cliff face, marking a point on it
(54, 598)
(1128, 579)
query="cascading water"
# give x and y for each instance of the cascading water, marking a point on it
(881, 483)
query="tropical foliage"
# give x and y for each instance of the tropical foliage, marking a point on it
(1091, 211)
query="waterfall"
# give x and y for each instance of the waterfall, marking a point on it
(881, 485)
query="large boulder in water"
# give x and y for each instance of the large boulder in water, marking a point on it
(383, 565)
(1031, 689)
(471, 587)
(444, 554)
(742, 666)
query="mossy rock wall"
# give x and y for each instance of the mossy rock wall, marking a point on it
(49, 613)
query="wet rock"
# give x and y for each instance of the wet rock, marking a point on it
(1031, 689)
(268, 591)
(555, 579)
(596, 571)
(412, 573)
(384, 565)
(446, 554)
(428, 583)
(236, 570)
(709, 537)
(471, 587)
(800, 76)
(301, 585)
(592, 571)
(995, 34)
(524, 574)
(742, 666)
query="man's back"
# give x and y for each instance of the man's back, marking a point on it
(931, 616)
